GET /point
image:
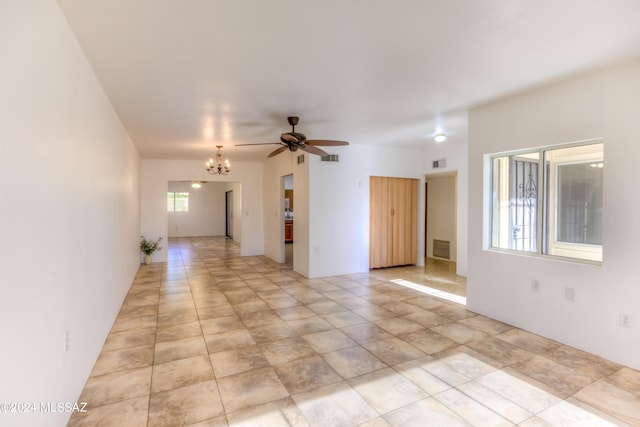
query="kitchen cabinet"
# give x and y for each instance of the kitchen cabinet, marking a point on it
(288, 230)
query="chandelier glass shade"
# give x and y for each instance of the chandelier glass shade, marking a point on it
(216, 167)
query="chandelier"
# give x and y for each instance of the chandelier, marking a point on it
(218, 168)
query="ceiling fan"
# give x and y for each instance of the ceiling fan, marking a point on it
(294, 140)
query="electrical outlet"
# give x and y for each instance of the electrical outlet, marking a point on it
(625, 320)
(66, 341)
(535, 286)
(570, 294)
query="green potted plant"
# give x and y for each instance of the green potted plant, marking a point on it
(148, 247)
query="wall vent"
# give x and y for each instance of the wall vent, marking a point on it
(329, 158)
(301, 158)
(441, 249)
(439, 163)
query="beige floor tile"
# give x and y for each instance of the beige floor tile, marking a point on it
(334, 405)
(413, 370)
(459, 332)
(123, 360)
(260, 318)
(471, 410)
(366, 332)
(129, 338)
(179, 373)
(528, 394)
(221, 324)
(613, 400)
(344, 318)
(328, 341)
(486, 325)
(185, 405)
(235, 361)
(309, 325)
(393, 350)
(125, 323)
(626, 379)
(286, 350)
(179, 349)
(306, 374)
(130, 413)
(592, 366)
(386, 390)
(575, 413)
(213, 312)
(498, 404)
(228, 340)
(397, 325)
(429, 341)
(123, 385)
(500, 352)
(272, 332)
(179, 331)
(426, 412)
(267, 332)
(353, 361)
(562, 378)
(277, 413)
(467, 361)
(528, 341)
(248, 389)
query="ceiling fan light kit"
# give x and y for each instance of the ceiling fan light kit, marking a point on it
(295, 140)
(217, 168)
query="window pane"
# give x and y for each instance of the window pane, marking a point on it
(170, 202)
(182, 202)
(580, 203)
(515, 202)
(574, 202)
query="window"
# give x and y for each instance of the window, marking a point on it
(549, 201)
(177, 202)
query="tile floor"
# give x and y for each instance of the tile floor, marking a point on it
(214, 339)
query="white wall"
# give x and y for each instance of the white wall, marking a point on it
(441, 212)
(206, 215)
(339, 205)
(70, 220)
(154, 178)
(601, 104)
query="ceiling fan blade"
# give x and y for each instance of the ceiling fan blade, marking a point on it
(277, 151)
(288, 137)
(313, 150)
(325, 142)
(261, 143)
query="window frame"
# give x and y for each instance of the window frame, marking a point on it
(171, 195)
(546, 234)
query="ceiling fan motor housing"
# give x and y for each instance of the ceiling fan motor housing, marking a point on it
(293, 138)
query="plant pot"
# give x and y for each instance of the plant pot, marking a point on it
(147, 259)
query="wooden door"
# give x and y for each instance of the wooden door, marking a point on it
(379, 224)
(404, 219)
(393, 221)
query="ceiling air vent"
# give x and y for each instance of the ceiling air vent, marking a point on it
(329, 158)
(301, 158)
(439, 163)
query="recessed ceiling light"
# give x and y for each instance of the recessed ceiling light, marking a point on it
(440, 137)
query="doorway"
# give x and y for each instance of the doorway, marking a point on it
(288, 237)
(229, 214)
(441, 217)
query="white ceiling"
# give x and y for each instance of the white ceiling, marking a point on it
(186, 75)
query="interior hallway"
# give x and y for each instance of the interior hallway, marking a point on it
(214, 339)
